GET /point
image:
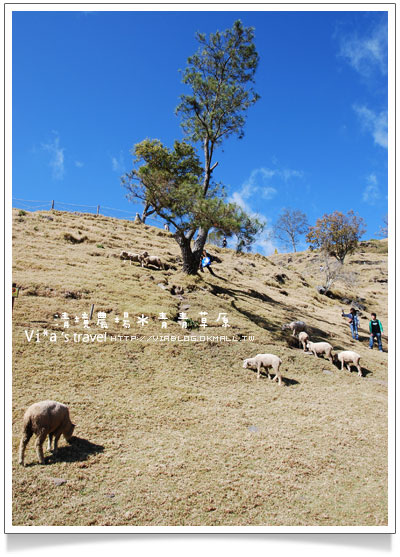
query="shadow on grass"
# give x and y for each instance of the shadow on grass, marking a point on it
(285, 380)
(78, 450)
(365, 371)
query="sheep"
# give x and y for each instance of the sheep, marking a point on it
(349, 357)
(303, 338)
(127, 255)
(321, 348)
(266, 361)
(152, 260)
(296, 327)
(45, 418)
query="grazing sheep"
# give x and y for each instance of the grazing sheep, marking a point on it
(152, 260)
(127, 255)
(295, 326)
(321, 348)
(303, 339)
(348, 358)
(45, 418)
(266, 361)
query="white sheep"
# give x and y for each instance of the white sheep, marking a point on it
(45, 418)
(127, 255)
(321, 348)
(266, 361)
(348, 358)
(296, 327)
(152, 260)
(303, 338)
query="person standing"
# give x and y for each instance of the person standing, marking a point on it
(376, 330)
(224, 242)
(353, 322)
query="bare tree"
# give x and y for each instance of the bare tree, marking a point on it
(290, 225)
(383, 230)
(333, 271)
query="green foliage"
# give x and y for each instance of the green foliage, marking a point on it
(21, 213)
(220, 74)
(215, 237)
(337, 234)
(173, 183)
(246, 235)
(191, 324)
(169, 180)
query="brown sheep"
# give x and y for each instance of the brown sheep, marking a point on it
(45, 418)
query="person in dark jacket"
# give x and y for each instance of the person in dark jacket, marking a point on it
(376, 330)
(353, 322)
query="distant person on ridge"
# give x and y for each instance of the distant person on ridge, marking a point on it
(224, 242)
(353, 322)
(376, 330)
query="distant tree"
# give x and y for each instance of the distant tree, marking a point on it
(337, 234)
(170, 181)
(383, 230)
(290, 225)
(220, 75)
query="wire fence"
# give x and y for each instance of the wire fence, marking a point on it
(102, 210)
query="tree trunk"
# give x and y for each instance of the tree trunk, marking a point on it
(191, 259)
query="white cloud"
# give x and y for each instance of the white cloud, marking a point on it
(365, 54)
(376, 123)
(371, 194)
(79, 164)
(258, 185)
(56, 157)
(118, 164)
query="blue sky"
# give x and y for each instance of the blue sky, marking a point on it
(87, 86)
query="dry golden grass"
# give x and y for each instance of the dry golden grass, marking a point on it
(173, 433)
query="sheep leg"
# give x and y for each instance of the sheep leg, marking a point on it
(39, 446)
(359, 371)
(49, 441)
(278, 377)
(22, 447)
(56, 438)
(258, 370)
(348, 367)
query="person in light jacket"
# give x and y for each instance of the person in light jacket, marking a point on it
(353, 322)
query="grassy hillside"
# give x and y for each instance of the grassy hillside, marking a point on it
(177, 432)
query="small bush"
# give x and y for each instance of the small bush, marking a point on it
(192, 324)
(100, 246)
(21, 213)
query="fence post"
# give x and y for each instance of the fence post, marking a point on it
(52, 204)
(91, 312)
(98, 209)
